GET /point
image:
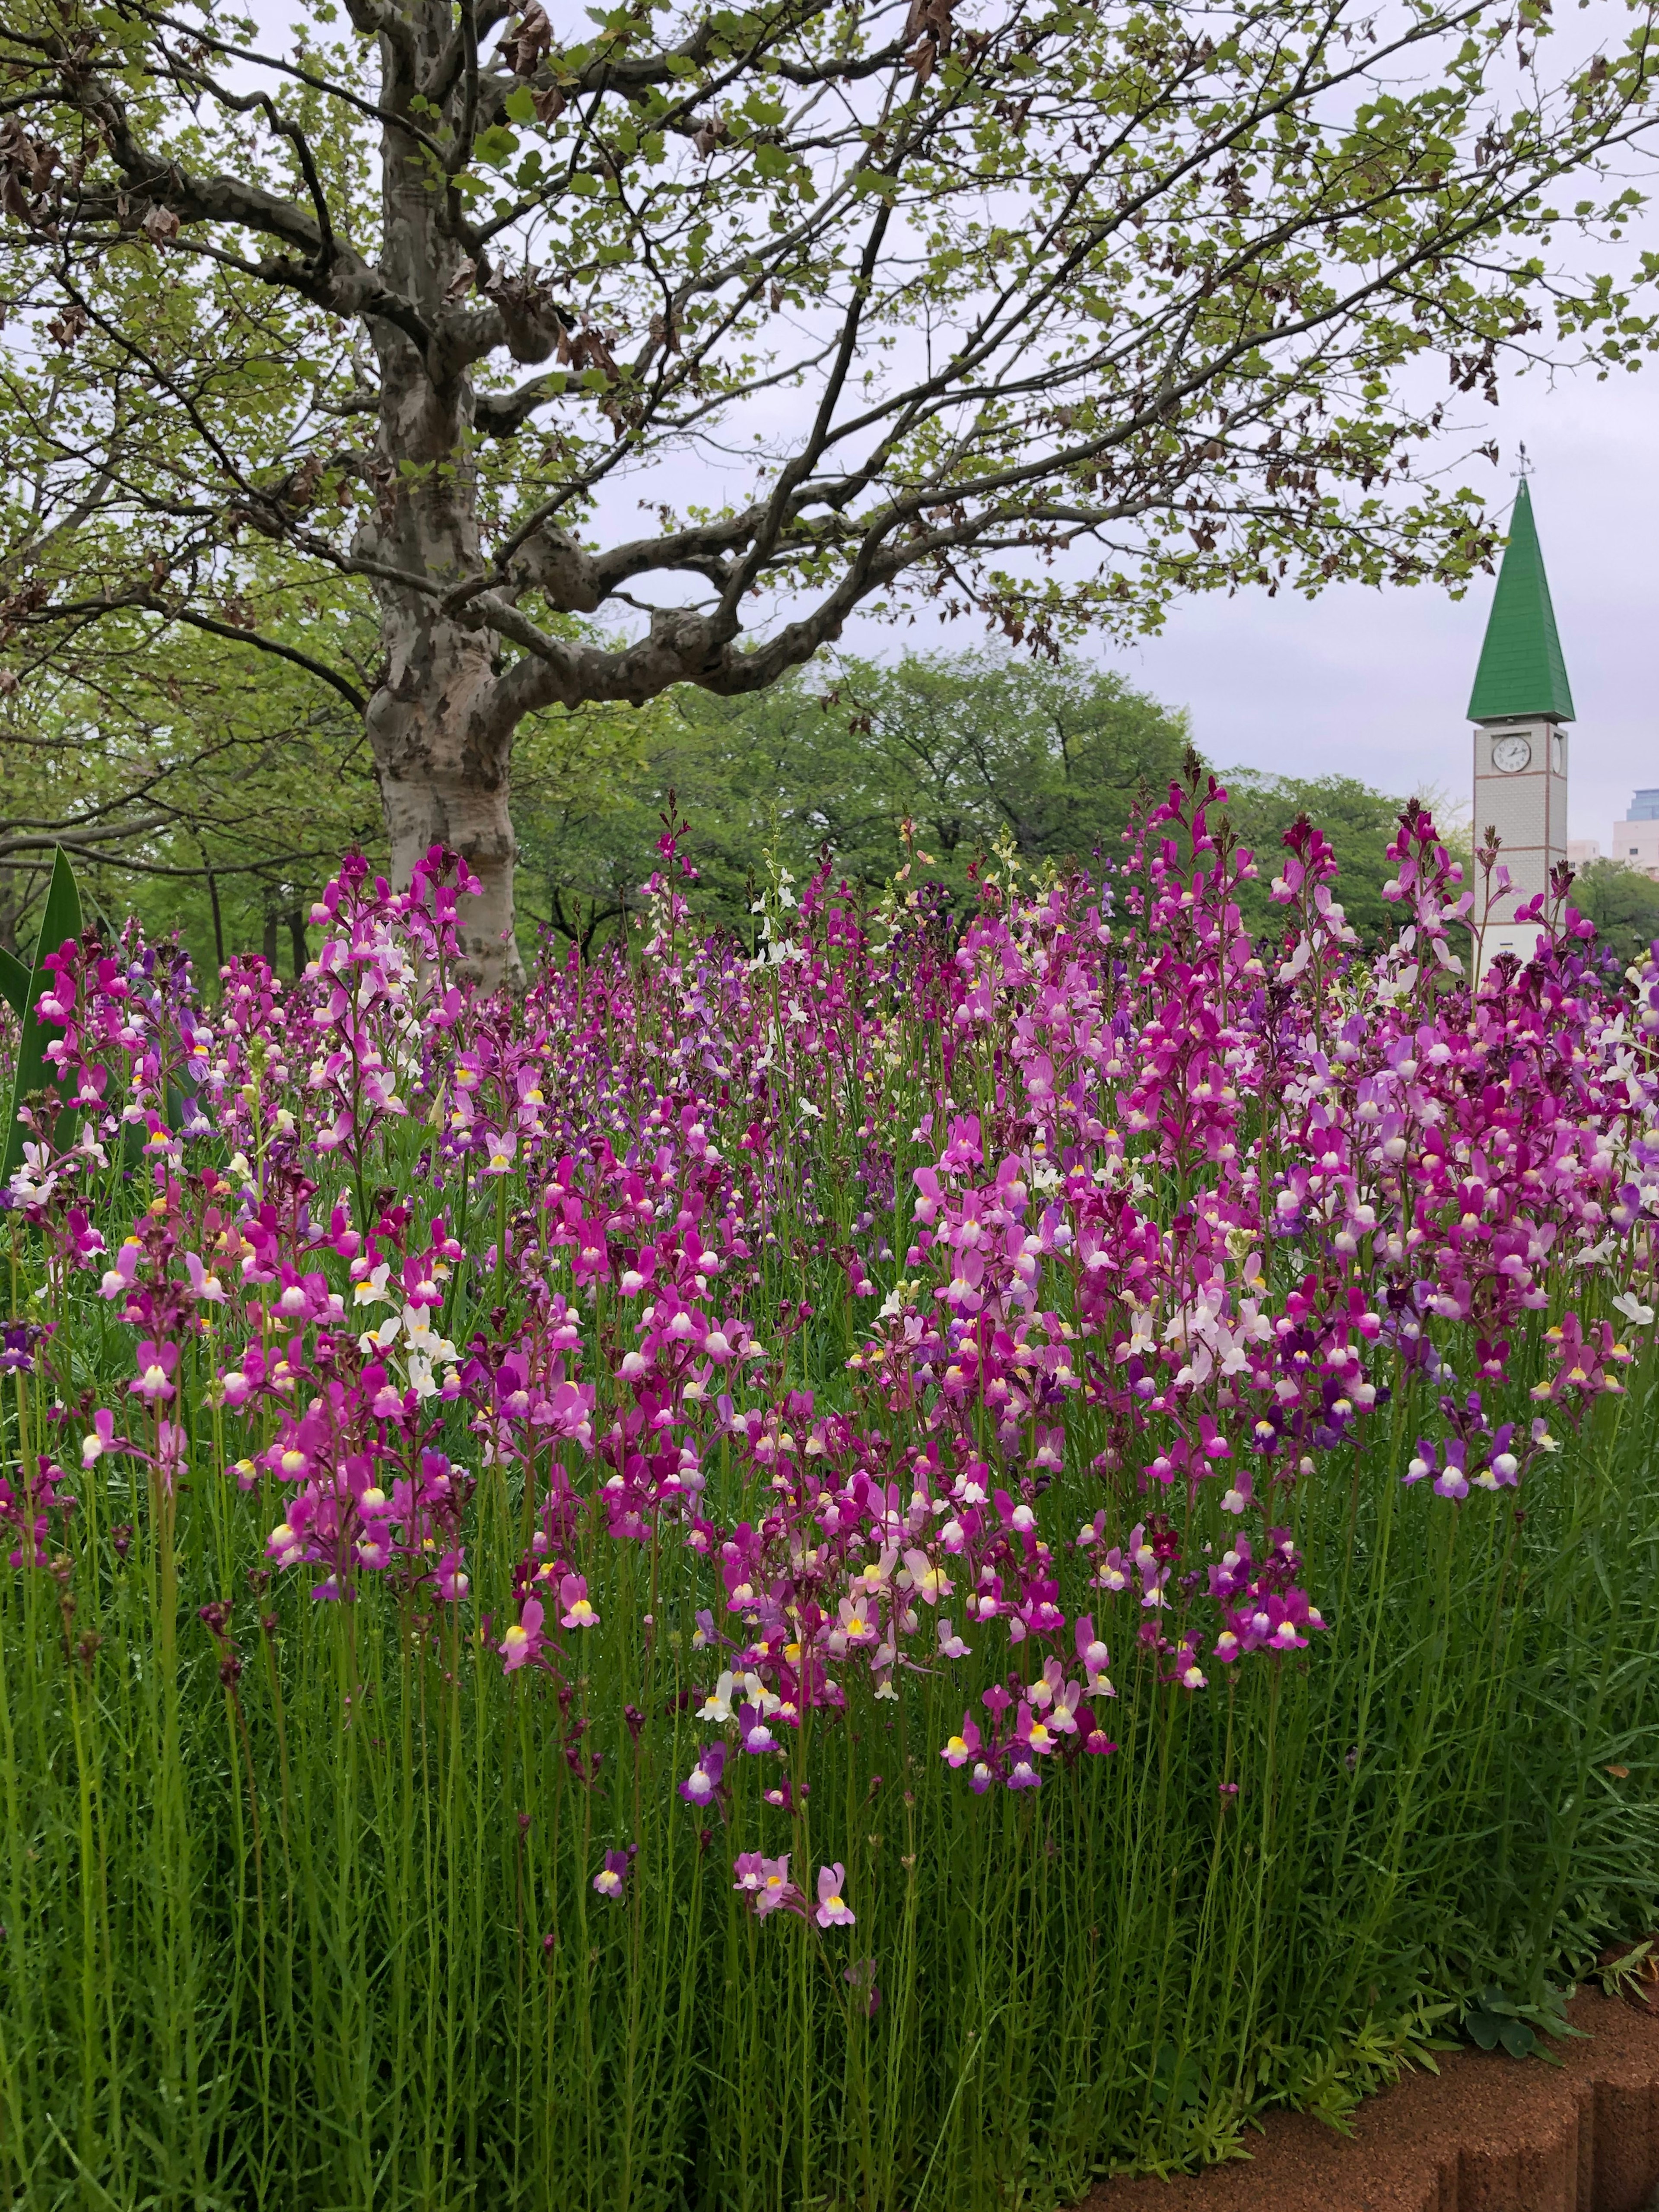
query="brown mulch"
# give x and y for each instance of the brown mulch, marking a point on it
(1487, 2134)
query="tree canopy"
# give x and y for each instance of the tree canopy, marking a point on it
(730, 321)
(970, 750)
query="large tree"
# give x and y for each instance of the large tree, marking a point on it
(1047, 308)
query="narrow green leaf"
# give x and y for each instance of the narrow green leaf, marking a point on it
(61, 919)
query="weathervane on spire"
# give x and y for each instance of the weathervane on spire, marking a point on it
(1525, 468)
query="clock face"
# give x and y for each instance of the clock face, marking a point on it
(1511, 754)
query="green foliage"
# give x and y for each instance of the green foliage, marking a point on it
(14, 981)
(1622, 903)
(1359, 822)
(971, 750)
(204, 784)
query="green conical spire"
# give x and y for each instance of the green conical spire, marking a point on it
(1521, 671)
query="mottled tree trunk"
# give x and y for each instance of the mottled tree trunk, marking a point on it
(443, 770)
(441, 744)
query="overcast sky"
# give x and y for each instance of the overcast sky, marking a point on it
(1374, 683)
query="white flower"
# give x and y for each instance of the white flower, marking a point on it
(1638, 1316)
(717, 1705)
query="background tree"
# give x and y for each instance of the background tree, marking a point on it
(1038, 307)
(1623, 904)
(970, 748)
(208, 787)
(1359, 821)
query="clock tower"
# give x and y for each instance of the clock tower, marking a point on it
(1519, 706)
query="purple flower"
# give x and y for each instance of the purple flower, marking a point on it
(704, 1779)
(611, 1880)
(753, 1735)
(1453, 1481)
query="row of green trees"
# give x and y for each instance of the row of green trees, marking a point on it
(215, 788)
(963, 753)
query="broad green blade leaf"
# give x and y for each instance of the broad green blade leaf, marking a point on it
(14, 981)
(62, 920)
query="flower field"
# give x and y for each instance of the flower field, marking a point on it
(886, 1570)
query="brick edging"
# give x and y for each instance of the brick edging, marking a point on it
(1487, 2134)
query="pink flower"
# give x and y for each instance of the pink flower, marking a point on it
(832, 1910)
(573, 1596)
(523, 1642)
(101, 1439)
(452, 1584)
(963, 1747)
(766, 1883)
(156, 1364)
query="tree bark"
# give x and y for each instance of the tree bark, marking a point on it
(440, 743)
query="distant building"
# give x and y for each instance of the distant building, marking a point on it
(1635, 839)
(1581, 851)
(1520, 702)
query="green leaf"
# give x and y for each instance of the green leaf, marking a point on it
(14, 981)
(496, 146)
(1517, 2038)
(1484, 2027)
(61, 921)
(519, 106)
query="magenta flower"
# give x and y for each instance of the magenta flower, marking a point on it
(156, 1365)
(832, 1911)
